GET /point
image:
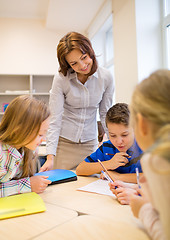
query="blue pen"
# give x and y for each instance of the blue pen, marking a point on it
(106, 176)
(137, 175)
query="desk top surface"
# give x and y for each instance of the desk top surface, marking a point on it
(73, 214)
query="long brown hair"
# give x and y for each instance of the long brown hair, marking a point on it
(69, 42)
(20, 125)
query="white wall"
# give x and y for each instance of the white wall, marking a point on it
(26, 47)
(125, 49)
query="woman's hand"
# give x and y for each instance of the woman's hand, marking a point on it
(48, 165)
(39, 183)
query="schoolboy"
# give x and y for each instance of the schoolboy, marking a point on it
(120, 154)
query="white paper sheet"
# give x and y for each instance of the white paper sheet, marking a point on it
(100, 186)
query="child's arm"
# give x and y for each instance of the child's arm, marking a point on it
(35, 184)
(149, 217)
(15, 187)
(88, 168)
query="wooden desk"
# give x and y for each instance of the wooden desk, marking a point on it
(77, 215)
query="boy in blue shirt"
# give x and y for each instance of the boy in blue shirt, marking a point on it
(121, 154)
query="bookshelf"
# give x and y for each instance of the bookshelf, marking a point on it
(11, 86)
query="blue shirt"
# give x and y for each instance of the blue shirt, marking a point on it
(107, 147)
(74, 107)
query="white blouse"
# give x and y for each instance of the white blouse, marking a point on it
(74, 107)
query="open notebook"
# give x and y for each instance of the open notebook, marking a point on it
(59, 175)
(21, 204)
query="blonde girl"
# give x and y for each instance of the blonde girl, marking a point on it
(150, 111)
(22, 128)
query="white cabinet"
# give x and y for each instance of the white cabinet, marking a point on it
(11, 86)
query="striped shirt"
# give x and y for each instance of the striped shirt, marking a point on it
(11, 165)
(107, 147)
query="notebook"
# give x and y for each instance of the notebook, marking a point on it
(59, 175)
(21, 204)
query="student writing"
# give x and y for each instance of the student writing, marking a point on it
(121, 154)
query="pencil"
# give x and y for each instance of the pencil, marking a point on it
(111, 154)
(105, 169)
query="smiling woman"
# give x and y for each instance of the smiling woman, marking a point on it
(80, 88)
(80, 63)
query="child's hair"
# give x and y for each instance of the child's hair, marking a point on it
(69, 42)
(151, 98)
(119, 114)
(20, 125)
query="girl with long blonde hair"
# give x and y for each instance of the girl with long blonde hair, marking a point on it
(150, 112)
(22, 128)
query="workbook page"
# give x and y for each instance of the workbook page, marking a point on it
(100, 186)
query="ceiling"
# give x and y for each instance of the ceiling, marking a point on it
(61, 15)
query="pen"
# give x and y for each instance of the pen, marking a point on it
(137, 176)
(106, 176)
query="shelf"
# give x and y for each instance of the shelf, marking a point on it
(37, 86)
(42, 93)
(15, 94)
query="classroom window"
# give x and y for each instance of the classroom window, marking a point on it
(166, 33)
(167, 7)
(168, 46)
(109, 46)
(102, 43)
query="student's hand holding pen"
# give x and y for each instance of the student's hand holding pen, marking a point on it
(123, 194)
(119, 159)
(123, 191)
(136, 202)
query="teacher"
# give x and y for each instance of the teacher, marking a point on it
(79, 89)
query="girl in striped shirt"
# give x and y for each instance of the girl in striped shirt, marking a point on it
(22, 128)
